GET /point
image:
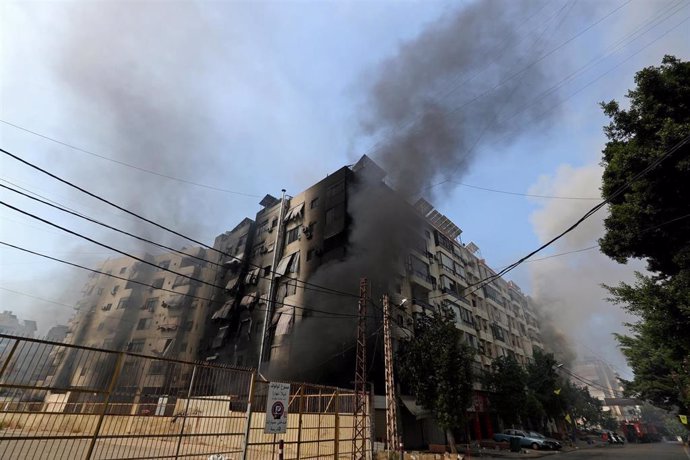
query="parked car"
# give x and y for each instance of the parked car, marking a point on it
(526, 439)
(551, 443)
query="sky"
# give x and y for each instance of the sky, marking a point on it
(240, 99)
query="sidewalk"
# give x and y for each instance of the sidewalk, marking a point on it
(492, 453)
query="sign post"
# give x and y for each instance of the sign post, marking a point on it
(277, 407)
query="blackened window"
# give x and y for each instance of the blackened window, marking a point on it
(144, 323)
(157, 284)
(314, 203)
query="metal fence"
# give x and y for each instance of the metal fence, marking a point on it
(62, 401)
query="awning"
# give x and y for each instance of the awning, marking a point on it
(231, 284)
(277, 314)
(283, 265)
(252, 276)
(231, 260)
(283, 326)
(224, 311)
(294, 212)
(249, 300)
(411, 405)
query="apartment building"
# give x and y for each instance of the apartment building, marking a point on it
(146, 310)
(292, 238)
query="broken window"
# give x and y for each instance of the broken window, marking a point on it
(114, 290)
(245, 328)
(293, 267)
(107, 307)
(284, 322)
(163, 265)
(144, 323)
(267, 270)
(314, 203)
(122, 304)
(157, 284)
(418, 267)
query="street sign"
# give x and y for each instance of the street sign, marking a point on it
(277, 407)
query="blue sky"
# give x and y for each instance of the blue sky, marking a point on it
(257, 96)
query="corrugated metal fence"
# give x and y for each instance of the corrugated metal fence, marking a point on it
(60, 401)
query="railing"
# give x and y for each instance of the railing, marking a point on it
(62, 401)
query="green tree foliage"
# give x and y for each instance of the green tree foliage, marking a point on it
(436, 366)
(651, 220)
(542, 383)
(507, 382)
(581, 405)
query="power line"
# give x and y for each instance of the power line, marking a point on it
(155, 224)
(129, 165)
(521, 194)
(306, 308)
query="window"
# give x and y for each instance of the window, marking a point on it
(418, 267)
(122, 304)
(292, 235)
(150, 304)
(136, 346)
(157, 284)
(256, 250)
(181, 281)
(427, 234)
(263, 227)
(267, 270)
(274, 222)
(444, 242)
(336, 189)
(107, 307)
(448, 284)
(310, 254)
(144, 323)
(245, 328)
(122, 270)
(163, 265)
(466, 316)
(331, 215)
(447, 262)
(99, 291)
(100, 326)
(114, 290)
(294, 264)
(314, 203)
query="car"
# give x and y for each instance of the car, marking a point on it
(526, 440)
(549, 443)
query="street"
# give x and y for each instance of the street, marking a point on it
(654, 451)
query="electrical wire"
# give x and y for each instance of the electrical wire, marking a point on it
(122, 163)
(506, 192)
(306, 308)
(155, 224)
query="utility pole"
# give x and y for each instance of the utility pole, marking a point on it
(359, 438)
(391, 403)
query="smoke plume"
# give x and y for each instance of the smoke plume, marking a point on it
(467, 81)
(569, 288)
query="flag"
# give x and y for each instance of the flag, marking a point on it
(558, 391)
(683, 419)
(568, 419)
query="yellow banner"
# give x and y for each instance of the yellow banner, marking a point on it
(557, 391)
(568, 419)
(683, 419)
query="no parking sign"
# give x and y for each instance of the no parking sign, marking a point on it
(277, 407)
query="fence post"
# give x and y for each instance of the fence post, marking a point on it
(111, 386)
(336, 436)
(299, 422)
(6, 364)
(186, 411)
(248, 423)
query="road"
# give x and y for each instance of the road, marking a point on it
(654, 451)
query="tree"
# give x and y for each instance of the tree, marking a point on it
(436, 366)
(651, 220)
(542, 382)
(507, 382)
